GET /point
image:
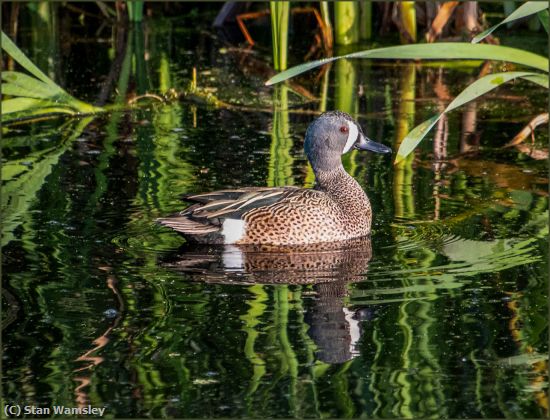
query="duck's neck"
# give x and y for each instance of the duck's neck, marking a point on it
(341, 187)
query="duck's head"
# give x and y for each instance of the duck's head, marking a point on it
(333, 134)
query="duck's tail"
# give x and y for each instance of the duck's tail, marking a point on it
(193, 230)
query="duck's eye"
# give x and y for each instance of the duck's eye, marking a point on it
(344, 129)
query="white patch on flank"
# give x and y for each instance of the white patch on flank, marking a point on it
(352, 136)
(232, 258)
(233, 230)
(354, 331)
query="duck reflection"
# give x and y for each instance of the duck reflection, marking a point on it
(329, 268)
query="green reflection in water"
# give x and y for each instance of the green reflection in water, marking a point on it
(403, 172)
(280, 162)
(256, 310)
(22, 179)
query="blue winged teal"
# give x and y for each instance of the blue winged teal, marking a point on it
(337, 209)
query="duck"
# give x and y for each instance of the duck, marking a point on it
(336, 209)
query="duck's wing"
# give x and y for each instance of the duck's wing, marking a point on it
(234, 203)
(207, 217)
(231, 194)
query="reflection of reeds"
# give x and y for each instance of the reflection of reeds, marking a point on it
(256, 309)
(309, 346)
(417, 395)
(403, 171)
(289, 361)
(416, 390)
(162, 172)
(441, 137)
(280, 160)
(469, 124)
(21, 183)
(112, 130)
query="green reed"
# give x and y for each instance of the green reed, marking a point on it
(280, 11)
(365, 28)
(346, 22)
(135, 10)
(325, 14)
(407, 21)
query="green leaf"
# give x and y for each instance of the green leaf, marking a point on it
(26, 104)
(22, 85)
(543, 17)
(14, 52)
(414, 137)
(438, 51)
(21, 108)
(34, 86)
(11, 89)
(299, 69)
(527, 9)
(473, 91)
(539, 79)
(35, 93)
(483, 85)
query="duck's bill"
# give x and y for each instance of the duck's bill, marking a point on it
(365, 143)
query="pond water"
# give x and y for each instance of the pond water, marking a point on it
(441, 313)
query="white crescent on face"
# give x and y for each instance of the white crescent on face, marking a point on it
(352, 136)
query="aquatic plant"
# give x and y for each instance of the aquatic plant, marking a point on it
(407, 21)
(365, 26)
(450, 51)
(135, 10)
(280, 11)
(346, 19)
(325, 14)
(36, 95)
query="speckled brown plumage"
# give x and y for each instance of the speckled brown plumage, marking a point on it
(337, 209)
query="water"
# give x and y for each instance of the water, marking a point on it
(442, 313)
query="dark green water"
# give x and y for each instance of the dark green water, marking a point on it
(443, 313)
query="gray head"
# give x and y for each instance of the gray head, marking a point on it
(333, 134)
